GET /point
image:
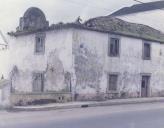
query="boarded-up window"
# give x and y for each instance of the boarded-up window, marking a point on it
(38, 82)
(146, 51)
(40, 43)
(113, 48)
(112, 81)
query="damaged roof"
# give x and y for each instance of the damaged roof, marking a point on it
(125, 28)
(139, 8)
(106, 24)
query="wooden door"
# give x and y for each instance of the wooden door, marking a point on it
(145, 86)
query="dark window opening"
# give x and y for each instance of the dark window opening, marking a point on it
(114, 47)
(112, 81)
(147, 51)
(40, 44)
(81, 46)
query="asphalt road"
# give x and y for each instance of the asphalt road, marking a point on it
(124, 116)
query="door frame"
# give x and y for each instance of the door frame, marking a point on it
(149, 84)
(42, 82)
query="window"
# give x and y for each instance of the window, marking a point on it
(38, 82)
(112, 81)
(40, 43)
(113, 48)
(146, 51)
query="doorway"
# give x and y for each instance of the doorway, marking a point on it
(145, 85)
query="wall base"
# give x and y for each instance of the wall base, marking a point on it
(20, 99)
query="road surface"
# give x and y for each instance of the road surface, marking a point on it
(149, 115)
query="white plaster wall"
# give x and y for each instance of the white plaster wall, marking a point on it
(154, 18)
(129, 65)
(0, 95)
(94, 42)
(4, 63)
(5, 95)
(22, 55)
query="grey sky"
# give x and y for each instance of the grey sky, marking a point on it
(58, 10)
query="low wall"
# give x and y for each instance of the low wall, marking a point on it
(4, 93)
(105, 96)
(39, 98)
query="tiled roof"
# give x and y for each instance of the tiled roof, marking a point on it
(106, 25)
(139, 8)
(119, 26)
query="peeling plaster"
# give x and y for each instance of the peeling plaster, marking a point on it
(55, 75)
(88, 70)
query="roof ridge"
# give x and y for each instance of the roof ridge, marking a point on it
(120, 26)
(139, 8)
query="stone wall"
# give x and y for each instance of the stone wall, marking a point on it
(39, 98)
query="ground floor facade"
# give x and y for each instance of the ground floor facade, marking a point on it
(143, 90)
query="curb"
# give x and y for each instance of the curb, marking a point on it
(88, 104)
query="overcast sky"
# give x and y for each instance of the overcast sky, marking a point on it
(58, 10)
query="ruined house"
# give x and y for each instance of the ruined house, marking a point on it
(150, 13)
(101, 59)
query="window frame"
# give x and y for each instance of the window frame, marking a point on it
(118, 47)
(42, 36)
(143, 50)
(108, 84)
(42, 81)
